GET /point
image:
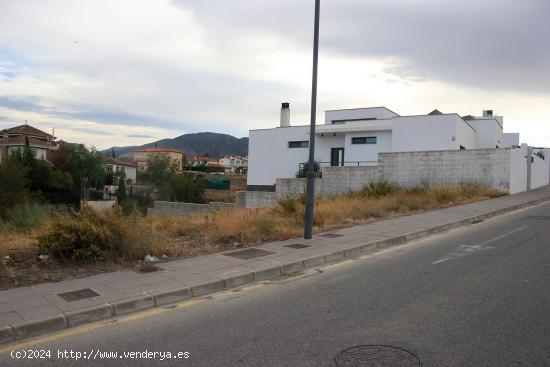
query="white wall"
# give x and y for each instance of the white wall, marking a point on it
(368, 152)
(539, 172)
(518, 171)
(465, 134)
(270, 157)
(323, 145)
(489, 133)
(510, 139)
(425, 133)
(359, 113)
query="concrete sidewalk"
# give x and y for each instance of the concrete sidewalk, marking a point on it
(35, 310)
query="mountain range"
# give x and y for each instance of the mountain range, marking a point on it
(214, 145)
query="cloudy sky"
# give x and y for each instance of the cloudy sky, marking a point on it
(127, 72)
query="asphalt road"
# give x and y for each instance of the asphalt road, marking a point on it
(476, 296)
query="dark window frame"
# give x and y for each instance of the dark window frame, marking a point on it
(298, 144)
(370, 140)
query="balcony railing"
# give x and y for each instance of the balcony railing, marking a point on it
(319, 174)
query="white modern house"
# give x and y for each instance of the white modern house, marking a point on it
(234, 163)
(355, 137)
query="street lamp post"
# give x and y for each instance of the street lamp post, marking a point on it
(310, 188)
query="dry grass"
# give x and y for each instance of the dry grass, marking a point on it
(233, 228)
(172, 237)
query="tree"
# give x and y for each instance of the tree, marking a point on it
(121, 189)
(159, 169)
(85, 164)
(13, 185)
(182, 188)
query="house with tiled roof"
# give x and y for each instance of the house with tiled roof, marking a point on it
(16, 138)
(117, 166)
(205, 161)
(142, 156)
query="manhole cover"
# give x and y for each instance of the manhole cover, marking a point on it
(296, 246)
(376, 356)
(78, 295)
(331, 235)
(249, 253)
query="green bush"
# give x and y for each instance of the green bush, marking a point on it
(302, 172)
(27, 215)
(13, 185)
(90, 235)
(378, 189)
(182, 188)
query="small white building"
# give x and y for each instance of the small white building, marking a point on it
(355, 137)
(117, 166)
(234, 163)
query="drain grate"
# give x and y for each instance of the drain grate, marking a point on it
(297, 246)
(376, 356)
(249, 253)
(331, 235)
(78, 295)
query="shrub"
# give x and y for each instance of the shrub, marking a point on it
(378, 189)
(90, 235)
(27, 215)
(290, 205)
(265, 227)
(445, 195)
(182, 188)
(302, 172)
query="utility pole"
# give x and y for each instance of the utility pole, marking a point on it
(310, 188)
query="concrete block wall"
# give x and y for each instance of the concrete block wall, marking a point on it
(410, 169)
(337, 180)
(487, 166)
(295, 186)
(256, 199)
(184, 209)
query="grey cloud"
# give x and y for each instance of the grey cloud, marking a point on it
(492, 44)
(139, 136)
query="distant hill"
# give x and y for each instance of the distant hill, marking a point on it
(213, 144)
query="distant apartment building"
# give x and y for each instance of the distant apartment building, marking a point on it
(142, 156)
(16, 138)
(234, 164)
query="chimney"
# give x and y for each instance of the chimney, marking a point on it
(487, 113)
(285, 114)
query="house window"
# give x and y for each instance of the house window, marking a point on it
(298, 144)
(364, 140)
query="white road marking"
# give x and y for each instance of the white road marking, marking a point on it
(464, 250)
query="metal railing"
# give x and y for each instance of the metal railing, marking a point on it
(318, 173)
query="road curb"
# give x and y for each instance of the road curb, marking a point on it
(7, 334)
(172, 296)
(37, 327)
(89, 315)
(125, 306)
(10, 333)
